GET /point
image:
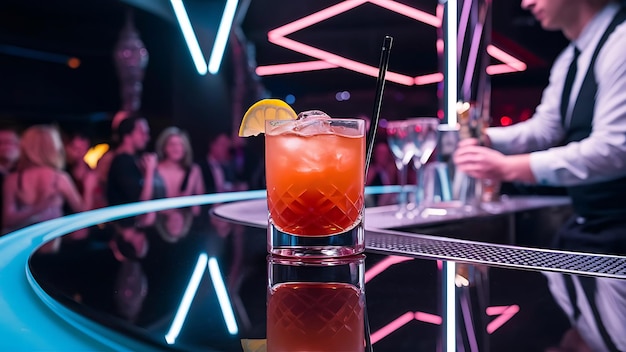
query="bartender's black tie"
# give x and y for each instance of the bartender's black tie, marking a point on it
(569, 81)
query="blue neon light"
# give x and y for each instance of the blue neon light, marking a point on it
(222, 296)
(222, 36)
(190, 293)
(190, 36)
(33, 327)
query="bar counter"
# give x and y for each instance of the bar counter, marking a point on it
(135, 277)
(517, 220)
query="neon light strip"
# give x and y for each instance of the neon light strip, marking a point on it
(472, 59)
(223, 31)
(419, 80)
(294, 67)
(384, 265)
(409, 11)
(391, 327)
(429, 79)
(513, 63)
(500, 69)
(452, 66)
(463, 22)
(222, 297)
(315, 17)
(403, 320)
(190, 292)
(344, 6)
(495, 310)
(428, 318)
(440, 46)
(449, 271)
(469, 324)
(437, 320)
(277, 36)
(340, 60)
(502, 56)
(190, 36)
(503, 318)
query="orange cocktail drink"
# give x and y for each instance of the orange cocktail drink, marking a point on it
(315, 178)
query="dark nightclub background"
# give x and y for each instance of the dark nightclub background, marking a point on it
(38, 84)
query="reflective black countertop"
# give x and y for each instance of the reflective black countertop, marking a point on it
(146, 277)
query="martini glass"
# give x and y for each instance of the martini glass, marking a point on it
(424, 132)
(401, 143)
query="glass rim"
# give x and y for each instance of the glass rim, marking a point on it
(355, 119)
(276, 127)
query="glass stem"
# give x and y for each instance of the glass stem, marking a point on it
(419, 189)
(403, 193)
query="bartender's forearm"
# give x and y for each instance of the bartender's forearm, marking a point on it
(486, 163)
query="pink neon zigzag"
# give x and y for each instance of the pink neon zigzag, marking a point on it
(327, 60)
(504, 313)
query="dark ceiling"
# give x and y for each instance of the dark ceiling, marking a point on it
(89, 29)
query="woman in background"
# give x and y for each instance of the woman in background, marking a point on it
(39, 187)
(178, 174)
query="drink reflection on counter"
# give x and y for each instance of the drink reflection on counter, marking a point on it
(316, 304)
(596, 309)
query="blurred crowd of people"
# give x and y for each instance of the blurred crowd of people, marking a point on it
(44, 174)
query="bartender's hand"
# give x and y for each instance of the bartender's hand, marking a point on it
(486, 163)
(484, 141)
(467, 142)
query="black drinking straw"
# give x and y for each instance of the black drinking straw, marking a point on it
(380, 87)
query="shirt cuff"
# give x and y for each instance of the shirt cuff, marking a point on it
(542, 167)
(498, 138)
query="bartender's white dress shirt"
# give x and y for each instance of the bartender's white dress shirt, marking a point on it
(601, 156)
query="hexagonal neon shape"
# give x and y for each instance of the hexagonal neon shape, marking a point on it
(328, 60)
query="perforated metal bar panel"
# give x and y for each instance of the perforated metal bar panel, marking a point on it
(422, 246)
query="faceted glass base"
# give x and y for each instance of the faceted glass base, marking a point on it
(340, 245)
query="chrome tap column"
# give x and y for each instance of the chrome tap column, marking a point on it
(465, 97)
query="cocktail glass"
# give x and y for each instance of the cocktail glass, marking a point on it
(425, 134)
(315, 171)
(400, 142)
(316, 304)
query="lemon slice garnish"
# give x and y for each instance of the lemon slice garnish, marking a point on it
(253, 122)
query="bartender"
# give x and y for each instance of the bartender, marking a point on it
(577, 135)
